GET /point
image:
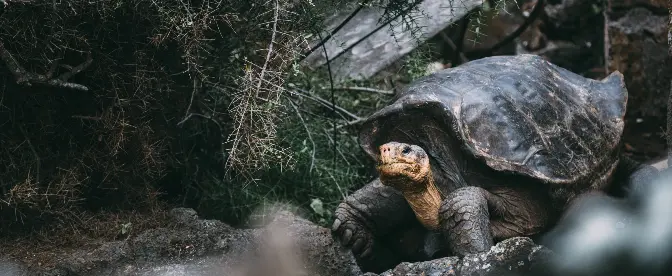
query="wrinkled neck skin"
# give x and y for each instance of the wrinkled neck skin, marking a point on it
(423, 197)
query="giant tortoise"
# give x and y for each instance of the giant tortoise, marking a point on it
(494, 148)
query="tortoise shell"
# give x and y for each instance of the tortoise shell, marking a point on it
(518, 113)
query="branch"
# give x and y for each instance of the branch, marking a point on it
(463, 32)
(334, 31)
(310, 135)
(451, 44)
(536, 12)
(364, 89)
(387, 22)
(26, 78)
(352, 123)
(325, 103)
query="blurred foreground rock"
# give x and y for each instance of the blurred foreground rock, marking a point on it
(288, 245)
(515, 256)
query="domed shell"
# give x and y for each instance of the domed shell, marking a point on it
(517, 113)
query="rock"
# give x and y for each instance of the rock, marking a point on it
(638, 49)
(194, 246)
(660, 6)
(318, 254)
(515, 256)
(11, 268)
(574, 30)
(562, 53)
(563, 16)
(185, 216)
(497, 24)
(286, 246)
(660, 164)
(386, 45)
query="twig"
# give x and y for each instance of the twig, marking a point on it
(337, 149)
(365, 89)
(310, 136)
(352, 123)
(536, 12)
(333, 100)
(26, 78)
(329, 104)
(447, 40)
(202, 116)
(191, 100)
(86, 117)
(404, 12)
(338, 28)
(236, 132)
(463, 32)
(270, 45)
(37, 158)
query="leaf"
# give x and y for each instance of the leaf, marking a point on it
(317, 206)
(125, 228)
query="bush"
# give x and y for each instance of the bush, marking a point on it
(129, 105)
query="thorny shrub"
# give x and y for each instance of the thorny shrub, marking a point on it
(129, 105)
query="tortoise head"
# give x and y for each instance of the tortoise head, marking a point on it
(404, 167)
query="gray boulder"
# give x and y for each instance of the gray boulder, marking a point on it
(287, 245)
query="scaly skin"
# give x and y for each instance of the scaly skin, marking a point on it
(370, 212)
(465, 220)
(471, 219)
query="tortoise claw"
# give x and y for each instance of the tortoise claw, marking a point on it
(351, 232)
(358, 245)
(366, 253)
(347, 236)
(336, 225)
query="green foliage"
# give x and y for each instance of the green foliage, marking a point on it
(190, 102)
(415, 63)
(486, 11)
(162, 110)
(322, 174)
(317, 167)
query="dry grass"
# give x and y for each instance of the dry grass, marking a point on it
(45, 248)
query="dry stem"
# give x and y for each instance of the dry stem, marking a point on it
(24, 77)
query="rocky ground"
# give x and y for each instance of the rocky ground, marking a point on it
(208, 247)
(603, 235)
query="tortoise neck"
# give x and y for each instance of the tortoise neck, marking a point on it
(426, 202)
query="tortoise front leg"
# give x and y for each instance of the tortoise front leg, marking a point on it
(465, 221)
(369, 213)
(473, 219)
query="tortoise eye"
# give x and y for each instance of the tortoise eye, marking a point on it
(406, 150)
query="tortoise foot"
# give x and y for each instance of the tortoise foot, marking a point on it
(353, 233)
